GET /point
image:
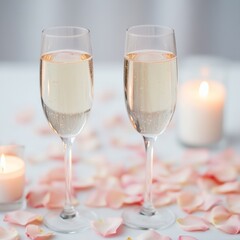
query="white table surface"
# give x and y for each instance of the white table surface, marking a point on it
(20, 91)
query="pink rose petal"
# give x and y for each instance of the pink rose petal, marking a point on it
(97, 198)
(206, 184)
(189, 201)
(192, 223)
(134, 189)
(183, 175)
(55, 174)
(186, 238)
(222, 172)
(22, 218)
(152, 235)
(106, 227)
(36, 196)
(229, 187)
(231, 225)
(164, 199)
(8, 234)
(25, 116)
(83, 183)
(223, 220)
(133, 199)
(233, 202)
(34, 232)
(218, 215)
(115, 198)
(166, 187)
(209, 201)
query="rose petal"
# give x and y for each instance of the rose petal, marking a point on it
(233, 202)
(34, 232)
(97, 198)
(115, 198)
(106, 227)
(229, 187)
(164, 199)
(218, 215)
(25, 116)
(133, 199)
(189, 201)
(231, 225)
(222, 172)
(134, 189)
(186, 238)
(150, 235)
(44, 130)
(8, 234)
(21, 217)
(55, 174)
(192, 223)
(206, 184)
(36, 196)
(83, 183)
(166, 187)
(183, 175)
(209, 201)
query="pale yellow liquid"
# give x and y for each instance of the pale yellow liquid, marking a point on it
(66, 90)
(150, 84)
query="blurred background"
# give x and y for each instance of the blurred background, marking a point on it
(201, 26)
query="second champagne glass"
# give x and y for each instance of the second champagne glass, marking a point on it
(66, 82)
(150, 86)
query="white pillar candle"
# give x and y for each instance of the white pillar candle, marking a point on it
(12, 178)
(200, 112)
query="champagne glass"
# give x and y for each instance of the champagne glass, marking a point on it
(150, 87)
(66, 84)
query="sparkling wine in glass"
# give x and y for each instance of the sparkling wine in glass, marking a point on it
(66, 84)
(150, 87)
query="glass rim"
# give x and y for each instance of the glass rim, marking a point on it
(169, 32)
(82, 31)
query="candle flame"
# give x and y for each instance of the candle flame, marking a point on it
(203, 89)
(2, 163)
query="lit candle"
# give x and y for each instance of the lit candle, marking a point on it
(12, 178)
(200, 112)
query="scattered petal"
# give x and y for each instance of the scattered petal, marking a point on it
(34, 232)
(97, 198)
(106, 227)
(25, 116)
(231, 225)
(83, 183)
(189, 201)
(218, 215)
(150, 235)
(209, 201)
(164, 199)
(229, 187)
(22, 218)
(186, 238)
(233, 202)
(115, 198)
(206, 184)
(192, 223)
(36, 196)
(222, 172)
(8, 234)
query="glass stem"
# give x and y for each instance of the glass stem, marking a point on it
(68, 210)
(148, 208)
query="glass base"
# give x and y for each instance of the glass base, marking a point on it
(160, 220)
(79, 223)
